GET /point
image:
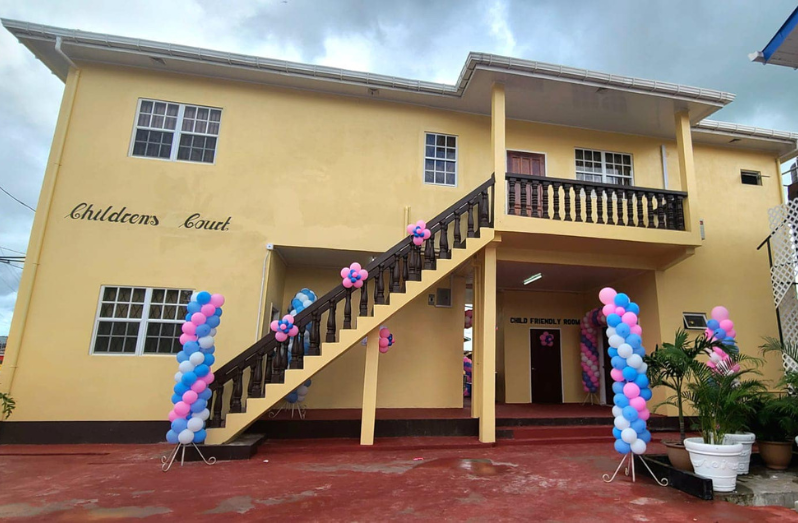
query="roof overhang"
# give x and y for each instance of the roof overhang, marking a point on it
(781, 143)
(783, 47)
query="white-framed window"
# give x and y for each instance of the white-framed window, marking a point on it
(173, 131)
(139, 320)
(440, 159)
(604, 167)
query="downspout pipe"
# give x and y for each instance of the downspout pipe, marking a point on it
(58, 41)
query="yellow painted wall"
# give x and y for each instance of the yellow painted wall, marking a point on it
(275, 287)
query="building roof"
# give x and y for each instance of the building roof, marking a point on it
(783, 47)
(536, 91)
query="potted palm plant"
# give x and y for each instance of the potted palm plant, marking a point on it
(670, 366)
(777, 415)
(724, 397)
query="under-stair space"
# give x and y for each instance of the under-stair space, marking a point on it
(257, 379)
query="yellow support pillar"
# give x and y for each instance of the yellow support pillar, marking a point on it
(476, 338)
(369, 413)
(684, 147)
(487, 370)
(499, 147)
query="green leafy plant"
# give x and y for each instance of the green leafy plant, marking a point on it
(776, 417)
(8, 405)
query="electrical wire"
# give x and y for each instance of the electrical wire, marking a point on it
(17, 199)
(12, 250)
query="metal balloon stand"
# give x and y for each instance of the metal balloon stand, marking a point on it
(591, 397)
(297, 407)
(166, 461)
(630, 470)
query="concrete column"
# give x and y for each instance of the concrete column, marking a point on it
(369, 413)
(476, 338)
(499, 147)
(487, 392)
(684, 147)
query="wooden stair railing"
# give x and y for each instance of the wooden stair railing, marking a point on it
(267, 359)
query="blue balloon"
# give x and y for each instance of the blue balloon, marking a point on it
(295, 303)
(179, 425)
(713, 325)
(198, 406)
(176, 397)
(206, 394)
(203, 330)
(292, 397)
(622, 330)
(638, 425)
(645, 436)
(218, 311)
(209, 359)
(203, 297)
(182, 356)
(189, 378)
(613, 320)
(200, 436)
(646, 394)
(630, 413)
(720, 334)
(622, 447)
(633, 307)
(193, 307)
(213, 322)
(201, 370)
(621, 300)
(171, 437)
(612, 352)
(209, 350)
(640, 351)
(188, 317)
(308, 382)
(181, 388)
(617, 387)
(634, 340)
(629, 373)
(191, 347)
(616, 432)
(641, 381)
(620, 400)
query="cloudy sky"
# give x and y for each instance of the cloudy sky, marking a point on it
(695, 42)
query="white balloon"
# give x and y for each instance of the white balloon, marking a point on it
(615, 341)
(302, 390)
(638, 446)
(621, 423)
(203, 414)
(185, 437)
(293, 312)
(213, 332)
(642, 368)
(714, 357)
(186, 366)
(307, 303)
(610, 331)
(300, 398)
(179, 377)
(629, 435)
(195, 424)
(625, 350)
(594, 366)
(206, 342)
(301, 296)
(197, 358)
(617, 411)
(634, 361)
(194, 296)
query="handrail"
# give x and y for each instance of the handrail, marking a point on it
(322, 304)
(595, 184)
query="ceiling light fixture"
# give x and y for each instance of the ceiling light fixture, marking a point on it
(534, 277)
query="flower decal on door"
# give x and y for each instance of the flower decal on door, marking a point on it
(547, 339)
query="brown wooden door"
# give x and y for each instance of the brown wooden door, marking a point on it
(533, 164)
(546, 365)
(608, 381)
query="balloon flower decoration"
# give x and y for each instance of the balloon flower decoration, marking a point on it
(721, 328)
(590, 325)
(354, 276)
(419, 232)
(285, 328)
(547, 339)
(191, 393)
(386, 340)
(631, 385)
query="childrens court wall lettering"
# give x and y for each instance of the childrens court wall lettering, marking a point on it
(87, 212)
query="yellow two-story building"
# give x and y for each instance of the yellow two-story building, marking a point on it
(175, 169)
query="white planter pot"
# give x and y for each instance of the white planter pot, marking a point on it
(715, 462)
(746, 439)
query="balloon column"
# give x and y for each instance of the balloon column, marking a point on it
(467, 371)
(191, 393)
(631, 385)
(301, 300)
(590, 325)
(721, 328)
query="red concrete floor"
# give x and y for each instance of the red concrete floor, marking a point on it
(548, 483)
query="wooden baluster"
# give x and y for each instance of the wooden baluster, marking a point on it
(671, 221)
(589, 205)
(535, 204)
(348, 309)
(610, 207)
(660, 211)
(417, 259)
(429, 253)
(364, 299)
(578, 202)
(512, 183)
(396, 274)
(278, 364)
(238, 390)
(471, 233)
(443, 244)
(218, 391)
(600, 204)
(379, 286)
(639, 198)
(523, 197)
(619, 194)
(556, 191)
(331, 327)
(256, 376)
(251, 385)
(680, 212)
(650, 210)
(630, 208)
(298, 350)
(405, 269)
(484, 211)
(283, 348)
(458, 240)
(545, 187)
(267, 375)
(567, 190)
(315, 333)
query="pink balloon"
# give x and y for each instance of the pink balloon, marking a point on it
(288, 318)
(631, 390)
(384, 332)
(720, 313)
(620, 311)
(638, 403)
(732, 333)
(417, 240)
(383, 349)
(616, 374)
(189, 328)
(644, 414)
(208, 378)
(274, 325)
(630, 318)
(358, 284)
(207, 310)
(185, 338)
(364, 274)
(607, 295)
(198, 318)
(427, 234)
(637, 329)
(199, 386)
(217, 300)
(345, 272)
(182, 408)
(189, 397)
(294, 331)
(608, 309)
(383, 342)
(173, 415)
(727, 325)
(280, 336)
(347, 283)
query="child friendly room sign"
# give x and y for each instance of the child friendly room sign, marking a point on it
(545, 321)
(87, 212)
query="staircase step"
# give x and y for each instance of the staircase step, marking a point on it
(275, 447)
(566, 431)
(556, 441)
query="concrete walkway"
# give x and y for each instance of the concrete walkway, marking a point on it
(535, 483)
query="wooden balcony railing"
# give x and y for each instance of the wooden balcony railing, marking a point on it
(589, 202)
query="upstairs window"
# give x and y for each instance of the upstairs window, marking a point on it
(604, 167)
(751, 177)
(440, 159)
(172, 131)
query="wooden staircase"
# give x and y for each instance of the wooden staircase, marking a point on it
(254, 381)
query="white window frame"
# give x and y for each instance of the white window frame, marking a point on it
(456, 159)
(604, 174)
(143, 321)
(750, 172)
(176, 133)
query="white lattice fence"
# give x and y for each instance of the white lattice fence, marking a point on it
(784, 272)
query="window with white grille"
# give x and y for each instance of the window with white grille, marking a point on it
(139, 320)
(604, 167)
(172, 131)
(440, 159)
